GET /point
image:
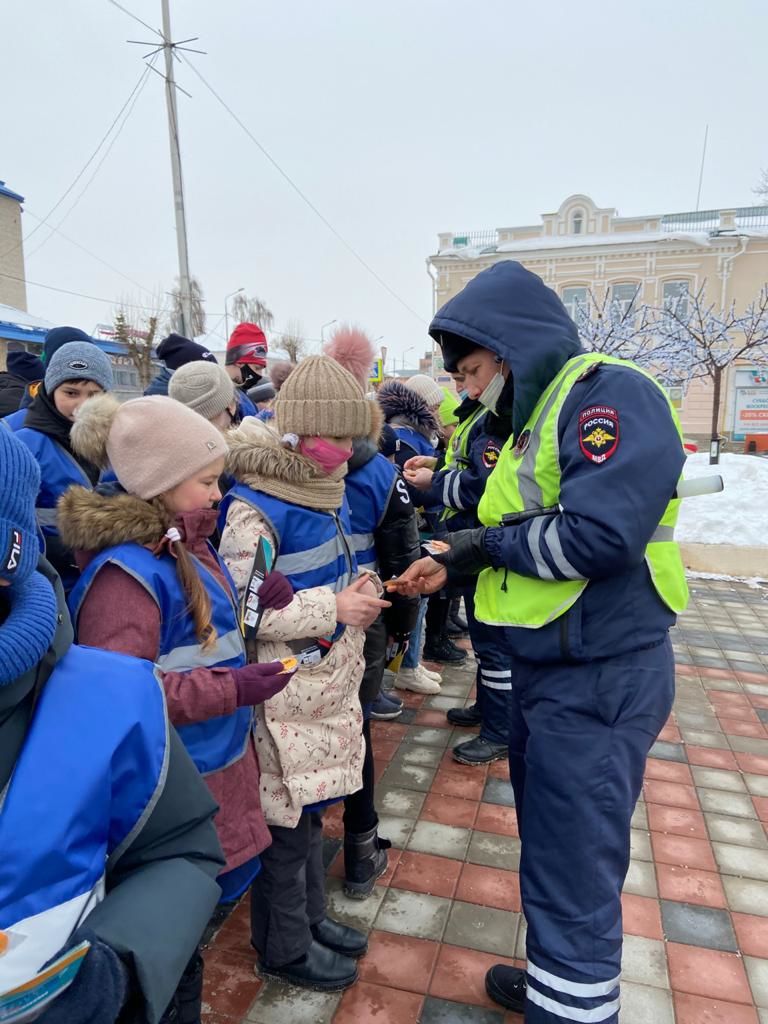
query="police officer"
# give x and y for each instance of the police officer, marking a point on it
(579, 568)
(470, 457)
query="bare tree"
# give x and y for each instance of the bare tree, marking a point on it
(137, 328)
(626, 330)
(197, 301)
(761, 188)
(292, 340)
(251, 310)
(710, 340)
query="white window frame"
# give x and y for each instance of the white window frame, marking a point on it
(572, 302)
(623, 306)
(666, 301)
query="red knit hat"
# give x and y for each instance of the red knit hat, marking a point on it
(247, 344)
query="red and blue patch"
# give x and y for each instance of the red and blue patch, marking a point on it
(598, 433)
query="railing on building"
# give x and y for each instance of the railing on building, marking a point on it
(711, 221)
(752, 217)
(476, 239)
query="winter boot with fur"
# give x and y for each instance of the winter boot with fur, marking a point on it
(365, 860)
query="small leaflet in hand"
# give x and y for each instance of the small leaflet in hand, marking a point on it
(26, 1002)
(250, 607)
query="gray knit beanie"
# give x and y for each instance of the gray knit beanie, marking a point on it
(426, 388)
(204, 387)
(78, 360)
(321, 398)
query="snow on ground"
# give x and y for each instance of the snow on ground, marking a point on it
(738, 514)
(753, 582)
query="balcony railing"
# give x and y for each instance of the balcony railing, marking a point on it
(477, 239)
(710, 221)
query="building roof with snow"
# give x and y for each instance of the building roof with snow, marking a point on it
(9, 193)
(579, 222)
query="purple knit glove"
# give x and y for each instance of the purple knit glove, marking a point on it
(257, 683)
(275, 592)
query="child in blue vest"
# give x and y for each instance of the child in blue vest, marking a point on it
(290, 491)
(76, 372)
(152, 586)
(106, 828)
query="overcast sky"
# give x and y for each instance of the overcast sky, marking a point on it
(397, 119)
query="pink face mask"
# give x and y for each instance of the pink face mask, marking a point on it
(327, 456)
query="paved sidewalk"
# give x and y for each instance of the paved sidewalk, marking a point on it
(696, 898)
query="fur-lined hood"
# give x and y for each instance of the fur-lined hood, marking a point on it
(405, 408)
(89, 521)
(256, 452)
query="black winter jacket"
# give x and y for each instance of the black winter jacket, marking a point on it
(397, 546)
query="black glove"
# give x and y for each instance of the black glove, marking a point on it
(467, 555)
(98, 993)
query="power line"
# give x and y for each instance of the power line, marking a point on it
(347, 245)
(135, 18)
(93, 255)
(82, 170)
(79, 295)
(107, 151)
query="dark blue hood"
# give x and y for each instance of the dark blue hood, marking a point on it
(510, 311)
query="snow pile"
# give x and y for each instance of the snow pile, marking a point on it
(738, 514)
(753, 582)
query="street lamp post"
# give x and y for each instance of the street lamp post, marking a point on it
(322, 330)
(406, 353)
(226, 309)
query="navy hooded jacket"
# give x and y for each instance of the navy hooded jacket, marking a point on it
(608, 510)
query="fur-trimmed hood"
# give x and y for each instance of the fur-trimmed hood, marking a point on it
(255, 452)
(257, 457)
(405, 408)
(89, 521)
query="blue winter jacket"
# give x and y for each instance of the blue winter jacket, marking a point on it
(608, 510)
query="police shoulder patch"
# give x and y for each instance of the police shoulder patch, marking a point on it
(598, 433)
(491, 455)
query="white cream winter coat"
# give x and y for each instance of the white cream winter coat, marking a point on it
(309, 736)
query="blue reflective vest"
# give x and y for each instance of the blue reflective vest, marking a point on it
(368, 490)
(313, 547)
(217, 742)
(90, 771)
(58, 471)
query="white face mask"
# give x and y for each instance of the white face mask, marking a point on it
(490, 397)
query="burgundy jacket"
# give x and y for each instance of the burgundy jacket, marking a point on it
(119, 615)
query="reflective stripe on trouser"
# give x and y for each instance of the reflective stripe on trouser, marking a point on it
(578, 739)
(494, 675)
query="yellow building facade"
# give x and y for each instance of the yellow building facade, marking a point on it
(13, 290)
(583, 247)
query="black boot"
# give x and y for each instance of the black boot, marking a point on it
(365, 860)
(507, 987)
(479, 751)
(320, 969)
(444, 651)
(464, 716)
(340, 937)
(186, 1005)
(457, 624)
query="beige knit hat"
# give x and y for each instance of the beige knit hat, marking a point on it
(153, 443)
(204, 387)
(321, 398)
(426, 388)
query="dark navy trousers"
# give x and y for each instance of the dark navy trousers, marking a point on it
(494, 675)
(579, 735)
